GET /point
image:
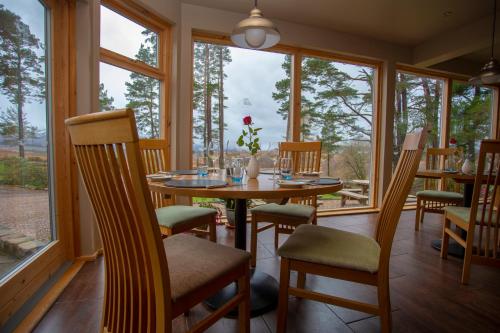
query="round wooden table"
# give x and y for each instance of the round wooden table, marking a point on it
(264, 288)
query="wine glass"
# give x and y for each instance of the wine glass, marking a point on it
(275, 155)
(213, 153)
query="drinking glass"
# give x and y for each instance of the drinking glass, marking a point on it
(274, 154)
(286, 168)
(214, 153)
(202, 166)
(236, 170)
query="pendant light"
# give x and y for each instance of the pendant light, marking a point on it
(255, 32)
(490, 73)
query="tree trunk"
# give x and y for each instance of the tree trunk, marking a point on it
(208, 99)
(221, 106)
(20, 118)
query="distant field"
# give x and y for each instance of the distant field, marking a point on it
(11, 151)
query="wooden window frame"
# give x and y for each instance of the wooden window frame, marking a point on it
(22, 284)
(137, 14)
(297, 54)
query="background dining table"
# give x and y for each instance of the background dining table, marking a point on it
(264, 288)
(454, 248)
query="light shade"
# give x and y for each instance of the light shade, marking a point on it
(489, 74)
(255, 32)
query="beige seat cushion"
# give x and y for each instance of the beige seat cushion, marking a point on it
(463, 213)
(439, 195)
(172, 216)
(332, 247)
(292, 210)
(194, 263)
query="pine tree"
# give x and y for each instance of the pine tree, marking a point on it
(143, 91)
(105, 101)
(9, 124)
(21, 69)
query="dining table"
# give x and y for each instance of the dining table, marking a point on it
(263, 287)
(467, 180)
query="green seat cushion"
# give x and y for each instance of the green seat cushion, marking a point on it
(295, 210)
(463, 214)
(175, 215)
(440, 195)
(328, 246)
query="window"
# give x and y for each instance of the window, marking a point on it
(133, 67)
(337, 109)
(471, 117)
(26, 203)
(419, 102)
(231, 83)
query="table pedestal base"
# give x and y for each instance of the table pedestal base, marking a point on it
(454, 249)
(264, 291)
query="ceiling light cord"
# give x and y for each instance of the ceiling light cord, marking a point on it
(494, 27)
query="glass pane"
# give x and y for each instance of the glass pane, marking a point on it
(25, 201)
(120, 88)
(471, 111)
(419, 102)
(121, 35)
(231, 83)
(337, 109)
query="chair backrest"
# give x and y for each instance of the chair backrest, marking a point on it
(154, 156)
(306, 157)
(397, 192)
(137, 294)
(435, 158)
(486, 201)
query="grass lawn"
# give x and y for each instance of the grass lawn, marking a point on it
(329, 197)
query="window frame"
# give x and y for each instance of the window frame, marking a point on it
(297, 54)
(153, 22)
(20, 285)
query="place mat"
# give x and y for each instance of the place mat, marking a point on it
(185, 172)
(327, 181)
(196, 183)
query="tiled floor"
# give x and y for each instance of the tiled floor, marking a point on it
(425, 291)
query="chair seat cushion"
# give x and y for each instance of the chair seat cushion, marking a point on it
(463, 214)
(439, 195)
(332, 247)
(194, 263)
(294, 210)
(172, 216)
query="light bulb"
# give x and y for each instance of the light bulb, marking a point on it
(255, 37)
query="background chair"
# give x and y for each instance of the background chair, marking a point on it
(348, 256)
(306, 157)
(481, 220)
(434, 200)
(148, 282)
(174, 219)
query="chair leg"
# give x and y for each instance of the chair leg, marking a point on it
(417, 216)
(283, 296)
(253, 241)
(384, 303)
(467, 260)
(301, 280)
(244, 307)
(212, 229)
(276, 236)
(445, 240)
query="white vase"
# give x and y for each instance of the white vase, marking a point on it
(253, 167)
(467, 167)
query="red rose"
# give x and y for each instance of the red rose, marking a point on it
(247, 120)
(453, 141)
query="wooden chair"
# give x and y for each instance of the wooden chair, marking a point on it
(148, 281)
(174, 219)
(349, 256)
(481, 220)
(306, 157)
(432, 200)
